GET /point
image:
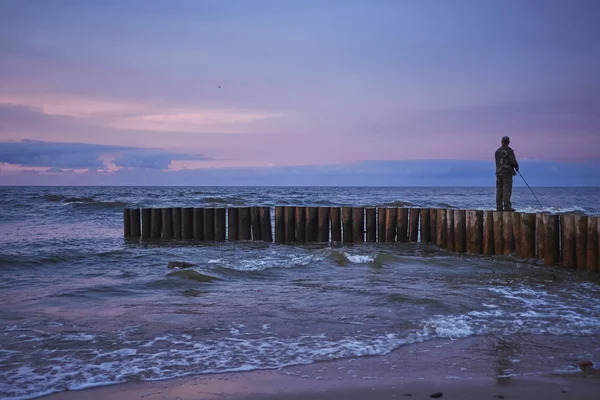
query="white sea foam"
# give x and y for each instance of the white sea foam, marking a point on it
(359, 258)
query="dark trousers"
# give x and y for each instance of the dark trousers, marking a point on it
(503, 192)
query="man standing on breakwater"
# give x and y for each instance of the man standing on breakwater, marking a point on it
(506, 167)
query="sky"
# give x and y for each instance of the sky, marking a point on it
(257, 92)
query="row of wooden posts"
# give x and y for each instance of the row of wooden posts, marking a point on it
(568, 239)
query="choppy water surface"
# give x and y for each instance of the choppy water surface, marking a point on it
(81, 307)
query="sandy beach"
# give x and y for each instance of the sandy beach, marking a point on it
(416, 371)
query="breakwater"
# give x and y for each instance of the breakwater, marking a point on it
(570, 240)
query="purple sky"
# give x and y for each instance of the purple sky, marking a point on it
(118, 92)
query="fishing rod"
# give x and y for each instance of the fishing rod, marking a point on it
(530, 189)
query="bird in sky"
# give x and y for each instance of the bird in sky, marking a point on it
(219, 86)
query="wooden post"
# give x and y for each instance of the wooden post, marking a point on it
(265, 224)
(232, 224)
(220, 224)
(391, 224)
(289, 215)
(516, 221)
(155, 227)
(450, 230)
(498, 233)
(146, 222)
(442, 228)
(433, 225)
(177, 223)
(402, 225)
(358, 224)
(126, 222)
(381, 224)
(414, 224)
(528, 235)
(209, 224)
(323, 215)
(167, 223)
(371, 225)
(187, 223)
(312, 224)
(508, 233)
(198, 223)
(336, 224)
(460, 231)
(255, 223)
(300, 224)
(540, 234)
(245, 223)
(279, 225)
(567, 225)
(425, 225)
(347, 234)
(592, 244)
(136, 232)
(551, 239)
(580, 242)
(488, 233)
(475, 231)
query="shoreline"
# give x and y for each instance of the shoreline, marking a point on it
(418, 370)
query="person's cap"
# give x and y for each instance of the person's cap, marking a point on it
(505, 139)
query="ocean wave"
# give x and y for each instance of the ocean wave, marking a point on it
(84, 201)
(555, 210)
(192, 275)
(234, 201)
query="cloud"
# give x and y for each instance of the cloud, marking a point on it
(33, 153)
(139, 115)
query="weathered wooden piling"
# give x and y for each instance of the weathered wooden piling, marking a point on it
(177, 223)
(312, 224)
(592, 243)
(209, 224)
(347, 227)
(232, 224)
(528, 235)
(551, 239)
(279, 225)
(498, 232)
(371, 225)
(414, 224)
(245, 223)
(300, 224)
(358, 224)
(442, 228)
(323, 215)
(255, 223)
(460, 231)
(155, 225)
(127, 222)
(146, 222)
(391, 221)
(402, 225)
(220, 225)
(508, 233)
(475, 231)
(488, 233)
(265, 224)
(335, 213)
(166, 215)
(381, 218)
(425, 225)
(450, 230)
(516, 221)
(581, 242)
(136, 230)
(187, 223)
(289, 215)
(540, 235)
(198, 223)
(567, 226)
(433, 225)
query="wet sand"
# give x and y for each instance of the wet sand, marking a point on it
(411, 372)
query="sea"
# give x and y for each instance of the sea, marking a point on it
(81, 307)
